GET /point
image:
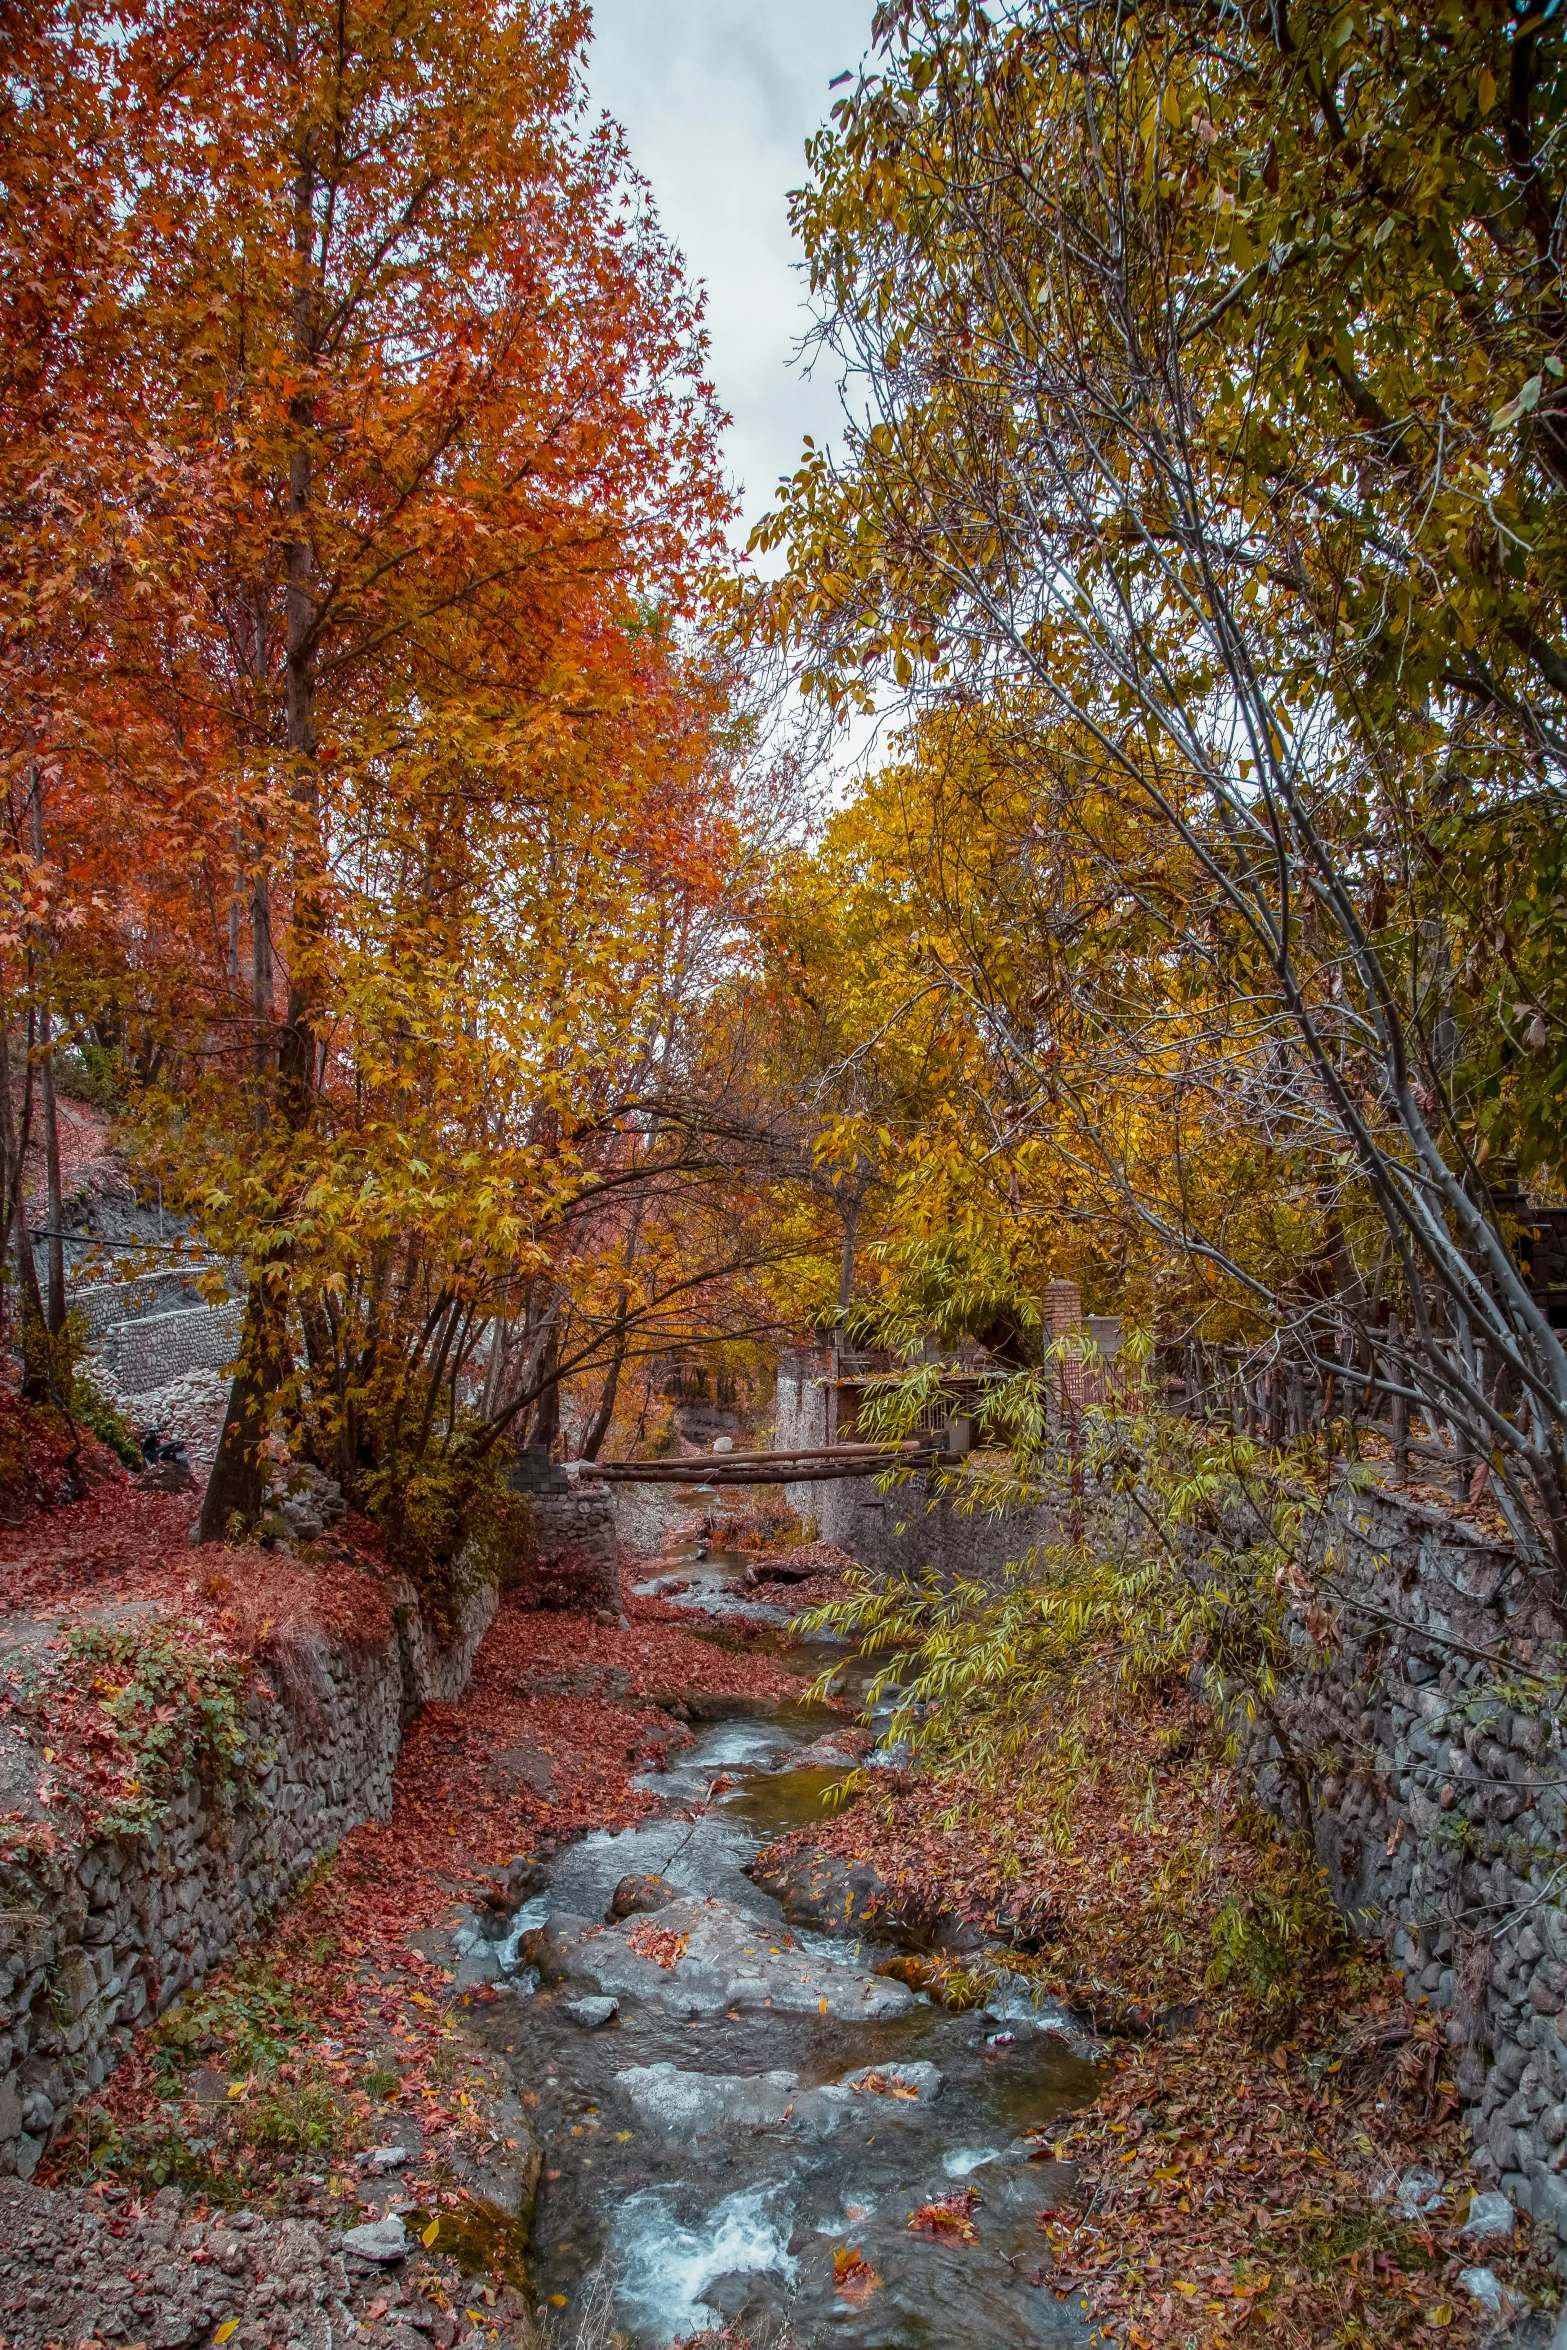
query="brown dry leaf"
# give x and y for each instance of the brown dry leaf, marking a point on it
(885, 2085)
(951, 2216)
(661, 1944)
(855, 2279)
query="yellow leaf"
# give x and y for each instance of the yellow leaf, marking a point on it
(559, 2300)
(822, 2004)
(48, 1754)
(420, 2000)
(622, 2137)
(1487, 101)
(229, 2326)
(428, 2235)
(238, 2088)
(1440, 2315)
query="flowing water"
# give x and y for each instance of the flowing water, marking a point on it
(716, 2160)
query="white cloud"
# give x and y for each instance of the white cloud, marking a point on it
(718, 98)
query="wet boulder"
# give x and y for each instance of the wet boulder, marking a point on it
(823, 1890)
(700, 1958)
(592, 2013)
(911, 2083)
(635, 1896)
(686, 2104)
(520, 1881)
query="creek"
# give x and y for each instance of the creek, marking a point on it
(715, 2144)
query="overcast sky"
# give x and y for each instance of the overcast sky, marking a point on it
(718, 98)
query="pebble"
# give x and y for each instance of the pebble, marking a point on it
(64, 2277)
(592, 2014)
(380, 2239)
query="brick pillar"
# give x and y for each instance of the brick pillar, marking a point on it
(1063, 1308)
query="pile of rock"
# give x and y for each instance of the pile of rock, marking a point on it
(302, 1502)
(74, 2269)
(189, 1410)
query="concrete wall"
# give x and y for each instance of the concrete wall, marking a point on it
(95, 1942)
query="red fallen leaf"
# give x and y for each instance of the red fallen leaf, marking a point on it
(951, 2216)
(661, 1944)
(855, 2279)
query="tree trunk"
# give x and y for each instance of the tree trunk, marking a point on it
(55, 1253)
(56, 1244)
(851, 1227)
(234, 1489)
(546, 1413)
(599, 1426)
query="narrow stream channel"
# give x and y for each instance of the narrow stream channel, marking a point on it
(709, 2143)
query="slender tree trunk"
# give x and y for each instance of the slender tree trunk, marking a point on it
(851, 1227)
(33, 1334)
(546, 1412)
(599, 1426)
(55, 1251)
(234, 1489)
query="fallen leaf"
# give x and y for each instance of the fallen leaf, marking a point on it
(855, 2279)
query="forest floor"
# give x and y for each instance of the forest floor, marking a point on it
(235, 2140)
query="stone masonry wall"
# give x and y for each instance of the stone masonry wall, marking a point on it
(907, 1531)
(571, 1554)
(159, 1347)
(1437, 1769)
(95, 1942)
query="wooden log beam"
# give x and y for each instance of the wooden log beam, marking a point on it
(803, 1466)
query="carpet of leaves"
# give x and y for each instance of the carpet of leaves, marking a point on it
(1236, 2174)
(1236, 2193)
(199, 1623)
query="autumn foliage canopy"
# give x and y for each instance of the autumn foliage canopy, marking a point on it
(359, 756)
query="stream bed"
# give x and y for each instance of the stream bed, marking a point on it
(763, 2100)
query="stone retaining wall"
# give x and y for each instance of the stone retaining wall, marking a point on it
(908, 1531)
(1437, 1774)
(93, 1943)
(570, 1556)
(103, 1304)
(156, 1348)
(1434, 1769)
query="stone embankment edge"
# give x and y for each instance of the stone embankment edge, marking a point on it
(1428, 1724)
(101, 1941)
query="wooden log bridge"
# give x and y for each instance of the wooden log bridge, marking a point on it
(808, 1464)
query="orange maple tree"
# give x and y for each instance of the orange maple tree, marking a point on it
(380, 763)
